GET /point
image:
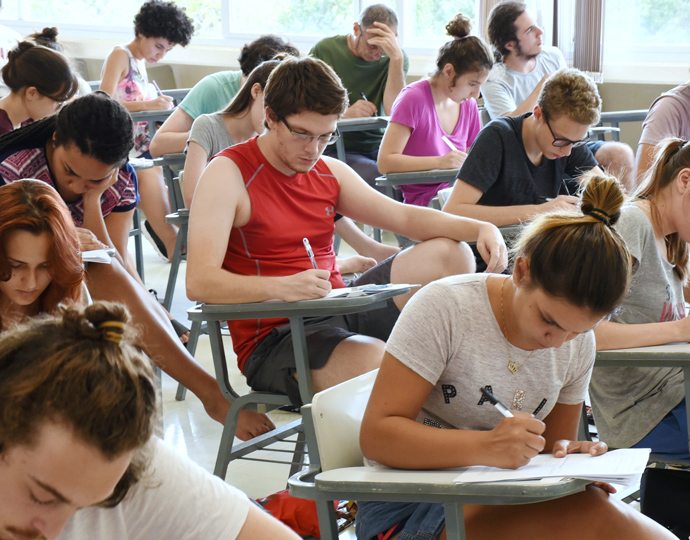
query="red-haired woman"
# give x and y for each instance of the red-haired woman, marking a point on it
(40, 265)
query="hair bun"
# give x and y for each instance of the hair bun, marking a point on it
(602, 198)
(20, 49)
(99, 321)
(49, 33)
(459, 27)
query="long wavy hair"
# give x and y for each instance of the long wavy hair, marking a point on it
(35, 207)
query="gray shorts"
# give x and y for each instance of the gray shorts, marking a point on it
(271, 365)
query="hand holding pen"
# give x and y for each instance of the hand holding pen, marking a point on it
(515, 440)
(161, 103)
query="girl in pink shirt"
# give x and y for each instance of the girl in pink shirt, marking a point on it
(434, 121)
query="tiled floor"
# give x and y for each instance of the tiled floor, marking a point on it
(187, 427)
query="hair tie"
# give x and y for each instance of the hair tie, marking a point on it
(458, 38)
(114, 336)
(601, 215)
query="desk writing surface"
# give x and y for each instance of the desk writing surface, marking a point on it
(374, 481)
(418, 177)
(362, 123)
(669, 355)
(303, 308)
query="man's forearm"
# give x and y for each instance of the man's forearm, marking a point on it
(394, 84)
(501, 216)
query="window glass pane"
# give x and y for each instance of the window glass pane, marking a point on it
(206, 13)
(305, 17)
(427, 19)
(120, 13)
(647, 21)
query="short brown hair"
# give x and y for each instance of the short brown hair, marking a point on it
(304, 84)
(578, 256)
(71, 369)
(571, 93)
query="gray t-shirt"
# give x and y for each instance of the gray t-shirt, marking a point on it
(448, 334)
(669, 116)
(505, 89)
(629, 402)
(209, 131)
(499, 167)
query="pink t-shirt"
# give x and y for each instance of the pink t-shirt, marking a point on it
(414, 108)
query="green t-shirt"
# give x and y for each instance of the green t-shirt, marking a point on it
(212, 93)
(358, 76)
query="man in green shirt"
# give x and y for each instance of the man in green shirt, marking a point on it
(372, 67)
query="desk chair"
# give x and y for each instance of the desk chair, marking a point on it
(332, 424)
(295, 312)
(615, 118)
(347, 125)
(151, 118)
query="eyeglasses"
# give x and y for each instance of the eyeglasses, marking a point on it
(321, 139)
(560, 143)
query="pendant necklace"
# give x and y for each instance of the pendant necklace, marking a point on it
(513, 366)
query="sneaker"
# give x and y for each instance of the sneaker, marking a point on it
(156, 242)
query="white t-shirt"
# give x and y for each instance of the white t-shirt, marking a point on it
(448, 334)
(177, 500)
(505, 89)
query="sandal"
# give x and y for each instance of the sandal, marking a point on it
(180, 330)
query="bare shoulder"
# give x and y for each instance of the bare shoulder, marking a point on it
(341, 171)
(222, 189)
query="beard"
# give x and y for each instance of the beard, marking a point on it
(521, 54)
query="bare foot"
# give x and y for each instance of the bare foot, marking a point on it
(249, 424)
(252, 424)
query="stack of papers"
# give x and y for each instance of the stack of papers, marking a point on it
(103, 256)
(365, 290)
(623, 467)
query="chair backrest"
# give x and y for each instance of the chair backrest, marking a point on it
(337, 415)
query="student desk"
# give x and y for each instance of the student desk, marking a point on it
(296, 312)
(346, 125)
(434, 486)
(659, 356)
(435, 176)
(151, 117)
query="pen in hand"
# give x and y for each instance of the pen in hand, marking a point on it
(310, 253)
(155, 85)
(496, 403)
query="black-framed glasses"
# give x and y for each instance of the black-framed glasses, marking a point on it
(560, 143)
(321, 139)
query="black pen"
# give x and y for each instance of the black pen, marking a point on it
(364, 97)
(496, 403)
(310, 253)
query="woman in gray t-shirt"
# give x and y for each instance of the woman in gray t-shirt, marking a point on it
(528, 338)
(241, 120)
(644, 407)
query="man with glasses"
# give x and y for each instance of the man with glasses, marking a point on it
(373, 68)
(522, 65)
(261, 228)
(522, 166)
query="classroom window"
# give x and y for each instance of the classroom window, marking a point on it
(647, 31)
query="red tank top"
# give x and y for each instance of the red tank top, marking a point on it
(284, 210)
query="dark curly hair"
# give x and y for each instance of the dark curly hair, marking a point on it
(262, 49)
(99, 126)
(157, 19)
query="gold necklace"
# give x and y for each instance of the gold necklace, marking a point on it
(512, 364)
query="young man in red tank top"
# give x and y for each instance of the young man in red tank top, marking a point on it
(255, 203)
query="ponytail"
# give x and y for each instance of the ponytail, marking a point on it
(578, 256)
